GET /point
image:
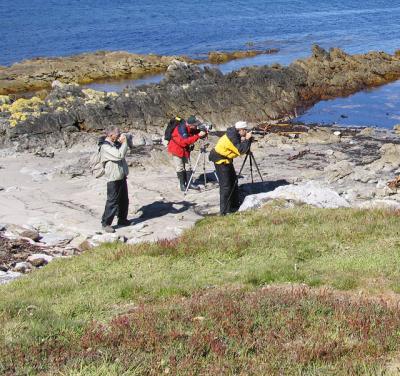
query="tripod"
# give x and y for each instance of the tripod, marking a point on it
(250, 156)
(202, 155)
(252, 160)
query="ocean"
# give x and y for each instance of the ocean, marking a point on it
(30, 29)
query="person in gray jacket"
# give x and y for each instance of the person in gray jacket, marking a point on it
(113, 149)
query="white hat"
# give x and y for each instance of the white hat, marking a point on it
(240, 125)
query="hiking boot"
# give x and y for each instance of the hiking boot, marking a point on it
(108, 229)
(182, 180)
(124, 222)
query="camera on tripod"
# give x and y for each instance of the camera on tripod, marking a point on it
(205, 127)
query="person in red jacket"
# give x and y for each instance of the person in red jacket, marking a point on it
(182, 137)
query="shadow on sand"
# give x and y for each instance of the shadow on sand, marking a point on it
(159, 208)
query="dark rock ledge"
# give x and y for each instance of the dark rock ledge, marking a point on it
(255, 94)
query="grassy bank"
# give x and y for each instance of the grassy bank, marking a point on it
(197, 304)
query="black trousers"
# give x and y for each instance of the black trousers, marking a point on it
(228, 188)
(117, 202)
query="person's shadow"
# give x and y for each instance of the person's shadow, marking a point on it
(159, 208)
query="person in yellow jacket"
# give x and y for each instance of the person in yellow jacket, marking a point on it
(235, 142)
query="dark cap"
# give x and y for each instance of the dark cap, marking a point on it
(192, 120)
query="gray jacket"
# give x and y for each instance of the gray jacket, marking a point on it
(115, 165)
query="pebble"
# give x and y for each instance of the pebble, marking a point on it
(30, 234)
(122, 239)
(22, 267)
(85, 245)
(105, 238)
(39, 259)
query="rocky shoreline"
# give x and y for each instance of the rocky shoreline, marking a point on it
(256, 94)
(51, 205)
(38, 74)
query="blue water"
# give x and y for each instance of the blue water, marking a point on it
(374, 107)
(32, 28)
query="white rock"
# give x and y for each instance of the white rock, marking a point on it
(6, 277)
(310, 193)
(105, 238)
(39, 259)
(52, 239)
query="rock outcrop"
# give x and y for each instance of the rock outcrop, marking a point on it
(39, 73)
(310, 193)
(255, 94)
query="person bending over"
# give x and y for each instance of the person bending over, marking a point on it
(113, 149)
(183, 136)
(235, 142)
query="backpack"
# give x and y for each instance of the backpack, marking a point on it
(172, 124)
(96, 165)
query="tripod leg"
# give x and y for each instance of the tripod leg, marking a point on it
(251, 167)
(258, 170)
(244, 162)
(204, 170)
(193, 172)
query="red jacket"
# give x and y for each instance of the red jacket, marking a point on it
(179, 146)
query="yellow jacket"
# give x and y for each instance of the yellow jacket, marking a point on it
(229, 146)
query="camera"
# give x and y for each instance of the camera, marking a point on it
(205, 127)
(129, 139)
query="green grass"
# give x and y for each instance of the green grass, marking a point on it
(54, 307)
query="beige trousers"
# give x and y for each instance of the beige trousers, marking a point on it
(181, 164)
